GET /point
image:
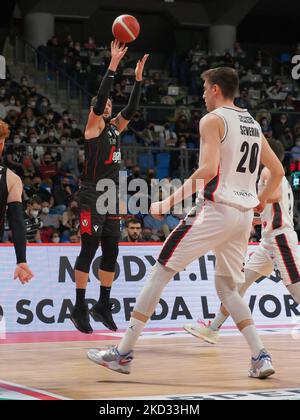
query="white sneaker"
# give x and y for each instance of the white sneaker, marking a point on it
(261, 368)
(111, 359)
(203, 332)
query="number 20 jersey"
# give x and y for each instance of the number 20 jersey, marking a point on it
(235, 184)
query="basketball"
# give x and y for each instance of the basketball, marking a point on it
(126, 28)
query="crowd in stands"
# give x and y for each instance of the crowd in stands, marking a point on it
(47, 148)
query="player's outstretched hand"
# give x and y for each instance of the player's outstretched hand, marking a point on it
(118, 51)
(140, 68)
(23, 273)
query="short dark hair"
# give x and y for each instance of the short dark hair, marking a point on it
(226, 78)
(277, 148)
(133, 220)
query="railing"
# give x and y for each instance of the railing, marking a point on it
(132, 153)
(30, 56)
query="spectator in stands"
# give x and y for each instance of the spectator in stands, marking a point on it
(53, 42)
(150, 136)
(152, 92)
(183, 128)
(287, 139)
(133, 230)
(13, 105)
(37, 190)
(159, 227)
(15, 156)
(74, 237)
(48, 218)
(148, 236)
(168, 136)
(76, 133)
(295, 152)
(138, 123)
(90, 44)
(55, 237)
(119, 96)
(62, 193)
(32, 220)
(274, 91)
(48, 168)
(266, 128)
(243, 101)
(281, 125)
(70, 218)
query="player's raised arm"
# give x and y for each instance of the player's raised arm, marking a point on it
(124, 117)
(273, 164)
(16, 221)
(96, 123)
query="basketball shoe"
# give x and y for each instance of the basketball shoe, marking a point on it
(203, 331)
(111, 359)
(261, 368)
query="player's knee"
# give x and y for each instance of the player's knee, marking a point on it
(110, 252)
(88, 251)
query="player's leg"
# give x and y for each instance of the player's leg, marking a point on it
(180, 248)
(229, 275)
(102, 311)
(80, 314)
(260, 264)
(287, 262)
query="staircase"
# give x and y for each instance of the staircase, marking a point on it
(47, 84)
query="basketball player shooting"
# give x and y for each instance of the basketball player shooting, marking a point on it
(232, 146)
(102, 162)
(278, 250)
(11, 189)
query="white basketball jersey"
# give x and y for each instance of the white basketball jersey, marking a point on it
(279, 217)
(235, 183)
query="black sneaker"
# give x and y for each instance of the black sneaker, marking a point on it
(80, 318)
(103, 314)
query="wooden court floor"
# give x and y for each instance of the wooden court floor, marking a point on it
(164, 366)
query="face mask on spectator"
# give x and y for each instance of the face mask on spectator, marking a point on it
(74, 126)
(63, 142)
(298, 143)
(33, 140)
(51, 134)
(17, 140)
(12, 102)
(54, 154)
(55, 240)
(46, 210)
(32, 104)
(34, 213)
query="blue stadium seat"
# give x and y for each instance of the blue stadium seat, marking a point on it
(163, 165)
(145, 161)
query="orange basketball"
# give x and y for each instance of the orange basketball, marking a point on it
(126, 28)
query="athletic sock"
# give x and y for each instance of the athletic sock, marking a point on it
(251, 335)
(218, 322)
(104, 295)
(80, 297)
(131, 336)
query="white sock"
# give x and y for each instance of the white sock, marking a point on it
(131, 336)
(251, 335)
(218, 322)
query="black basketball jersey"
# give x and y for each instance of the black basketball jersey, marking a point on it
(3, 196)
(103, 156)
